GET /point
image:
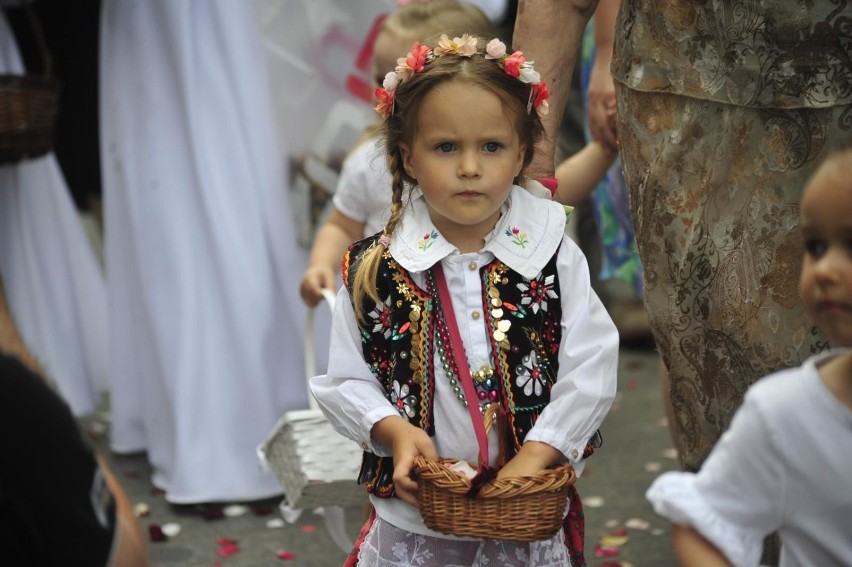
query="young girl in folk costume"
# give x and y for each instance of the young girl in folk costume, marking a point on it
(461, 120)
(785, 463)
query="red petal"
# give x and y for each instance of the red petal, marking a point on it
(285, 555)
(155, 532)
(309, 529)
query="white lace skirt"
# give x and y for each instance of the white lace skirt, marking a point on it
(389, 546)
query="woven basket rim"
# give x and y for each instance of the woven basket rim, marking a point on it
(552, 479)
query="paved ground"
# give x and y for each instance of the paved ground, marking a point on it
(636, 448)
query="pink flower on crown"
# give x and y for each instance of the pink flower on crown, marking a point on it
(512, 64)
(413, 62)
(495, 49)
(464, 46)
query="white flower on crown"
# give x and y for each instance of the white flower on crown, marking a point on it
(528, 74)
(391, 81)
(495, 49)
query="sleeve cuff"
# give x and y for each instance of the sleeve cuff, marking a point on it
(674, 496)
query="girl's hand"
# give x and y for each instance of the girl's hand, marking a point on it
(533, 458)
(407, 442)
(315, 279)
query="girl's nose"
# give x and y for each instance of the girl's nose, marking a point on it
(827, 268)
(469, 164)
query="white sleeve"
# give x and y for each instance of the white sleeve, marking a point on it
(361, 170)
(735, 499)
(588, 362)
(349, 394)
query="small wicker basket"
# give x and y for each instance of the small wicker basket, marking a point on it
(527, 508)
(28, 106)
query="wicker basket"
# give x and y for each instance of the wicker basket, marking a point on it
(315, 465)
(28, 107)
(520, 508)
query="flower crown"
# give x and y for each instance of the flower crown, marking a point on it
(513, 65)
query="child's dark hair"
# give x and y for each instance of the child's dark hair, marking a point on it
(400, 127)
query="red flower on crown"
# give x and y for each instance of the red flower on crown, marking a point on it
(385, 101)
(512, 64)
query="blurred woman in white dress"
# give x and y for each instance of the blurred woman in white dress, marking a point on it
(55, 306)
(206, 350)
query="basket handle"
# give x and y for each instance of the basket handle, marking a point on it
(37, 34)
(310, 351)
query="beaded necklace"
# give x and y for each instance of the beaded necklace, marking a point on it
(483, 379)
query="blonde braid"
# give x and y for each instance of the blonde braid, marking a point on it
(364, 283)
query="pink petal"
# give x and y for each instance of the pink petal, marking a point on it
(605, 551)
(285, 555)
(309, 529)
(227, 550)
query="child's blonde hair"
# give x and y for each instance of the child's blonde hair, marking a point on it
(420, 20)
(400, 127)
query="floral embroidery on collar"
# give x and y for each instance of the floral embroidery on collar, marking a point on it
(427, 241)
(518, 238)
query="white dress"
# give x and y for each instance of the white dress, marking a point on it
(54, 285)
(784, 464)
(363, 190)
(203, 268)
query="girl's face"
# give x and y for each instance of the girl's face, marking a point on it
(465, 155)
(826, 225)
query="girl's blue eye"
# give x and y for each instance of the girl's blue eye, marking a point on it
(815, 247)
(445, 147)
(492, 146)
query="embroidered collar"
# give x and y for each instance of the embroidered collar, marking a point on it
(525, 238)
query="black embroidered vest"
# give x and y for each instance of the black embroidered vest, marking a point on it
(523, 319)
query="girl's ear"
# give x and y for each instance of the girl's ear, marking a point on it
(519, 165)
(405, 152)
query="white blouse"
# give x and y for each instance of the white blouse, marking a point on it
(785, 464)
(354, 401)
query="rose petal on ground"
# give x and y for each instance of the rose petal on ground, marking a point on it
(614, 541)
(593, 501)
(155, 533)
(653, 466)
(670, 453)
(171, 529)
(612, 523)
(620, 532)
(658, 531)
(637, 524)
(275, 523)
(140, 510)
(285, 555)
(235, 510)
(605, 551)
(309, 528)
(227, 550)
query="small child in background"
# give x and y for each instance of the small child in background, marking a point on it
(785, 463)
(461, 122)
(362, 198)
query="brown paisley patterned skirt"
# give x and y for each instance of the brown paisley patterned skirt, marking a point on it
(714, 192)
